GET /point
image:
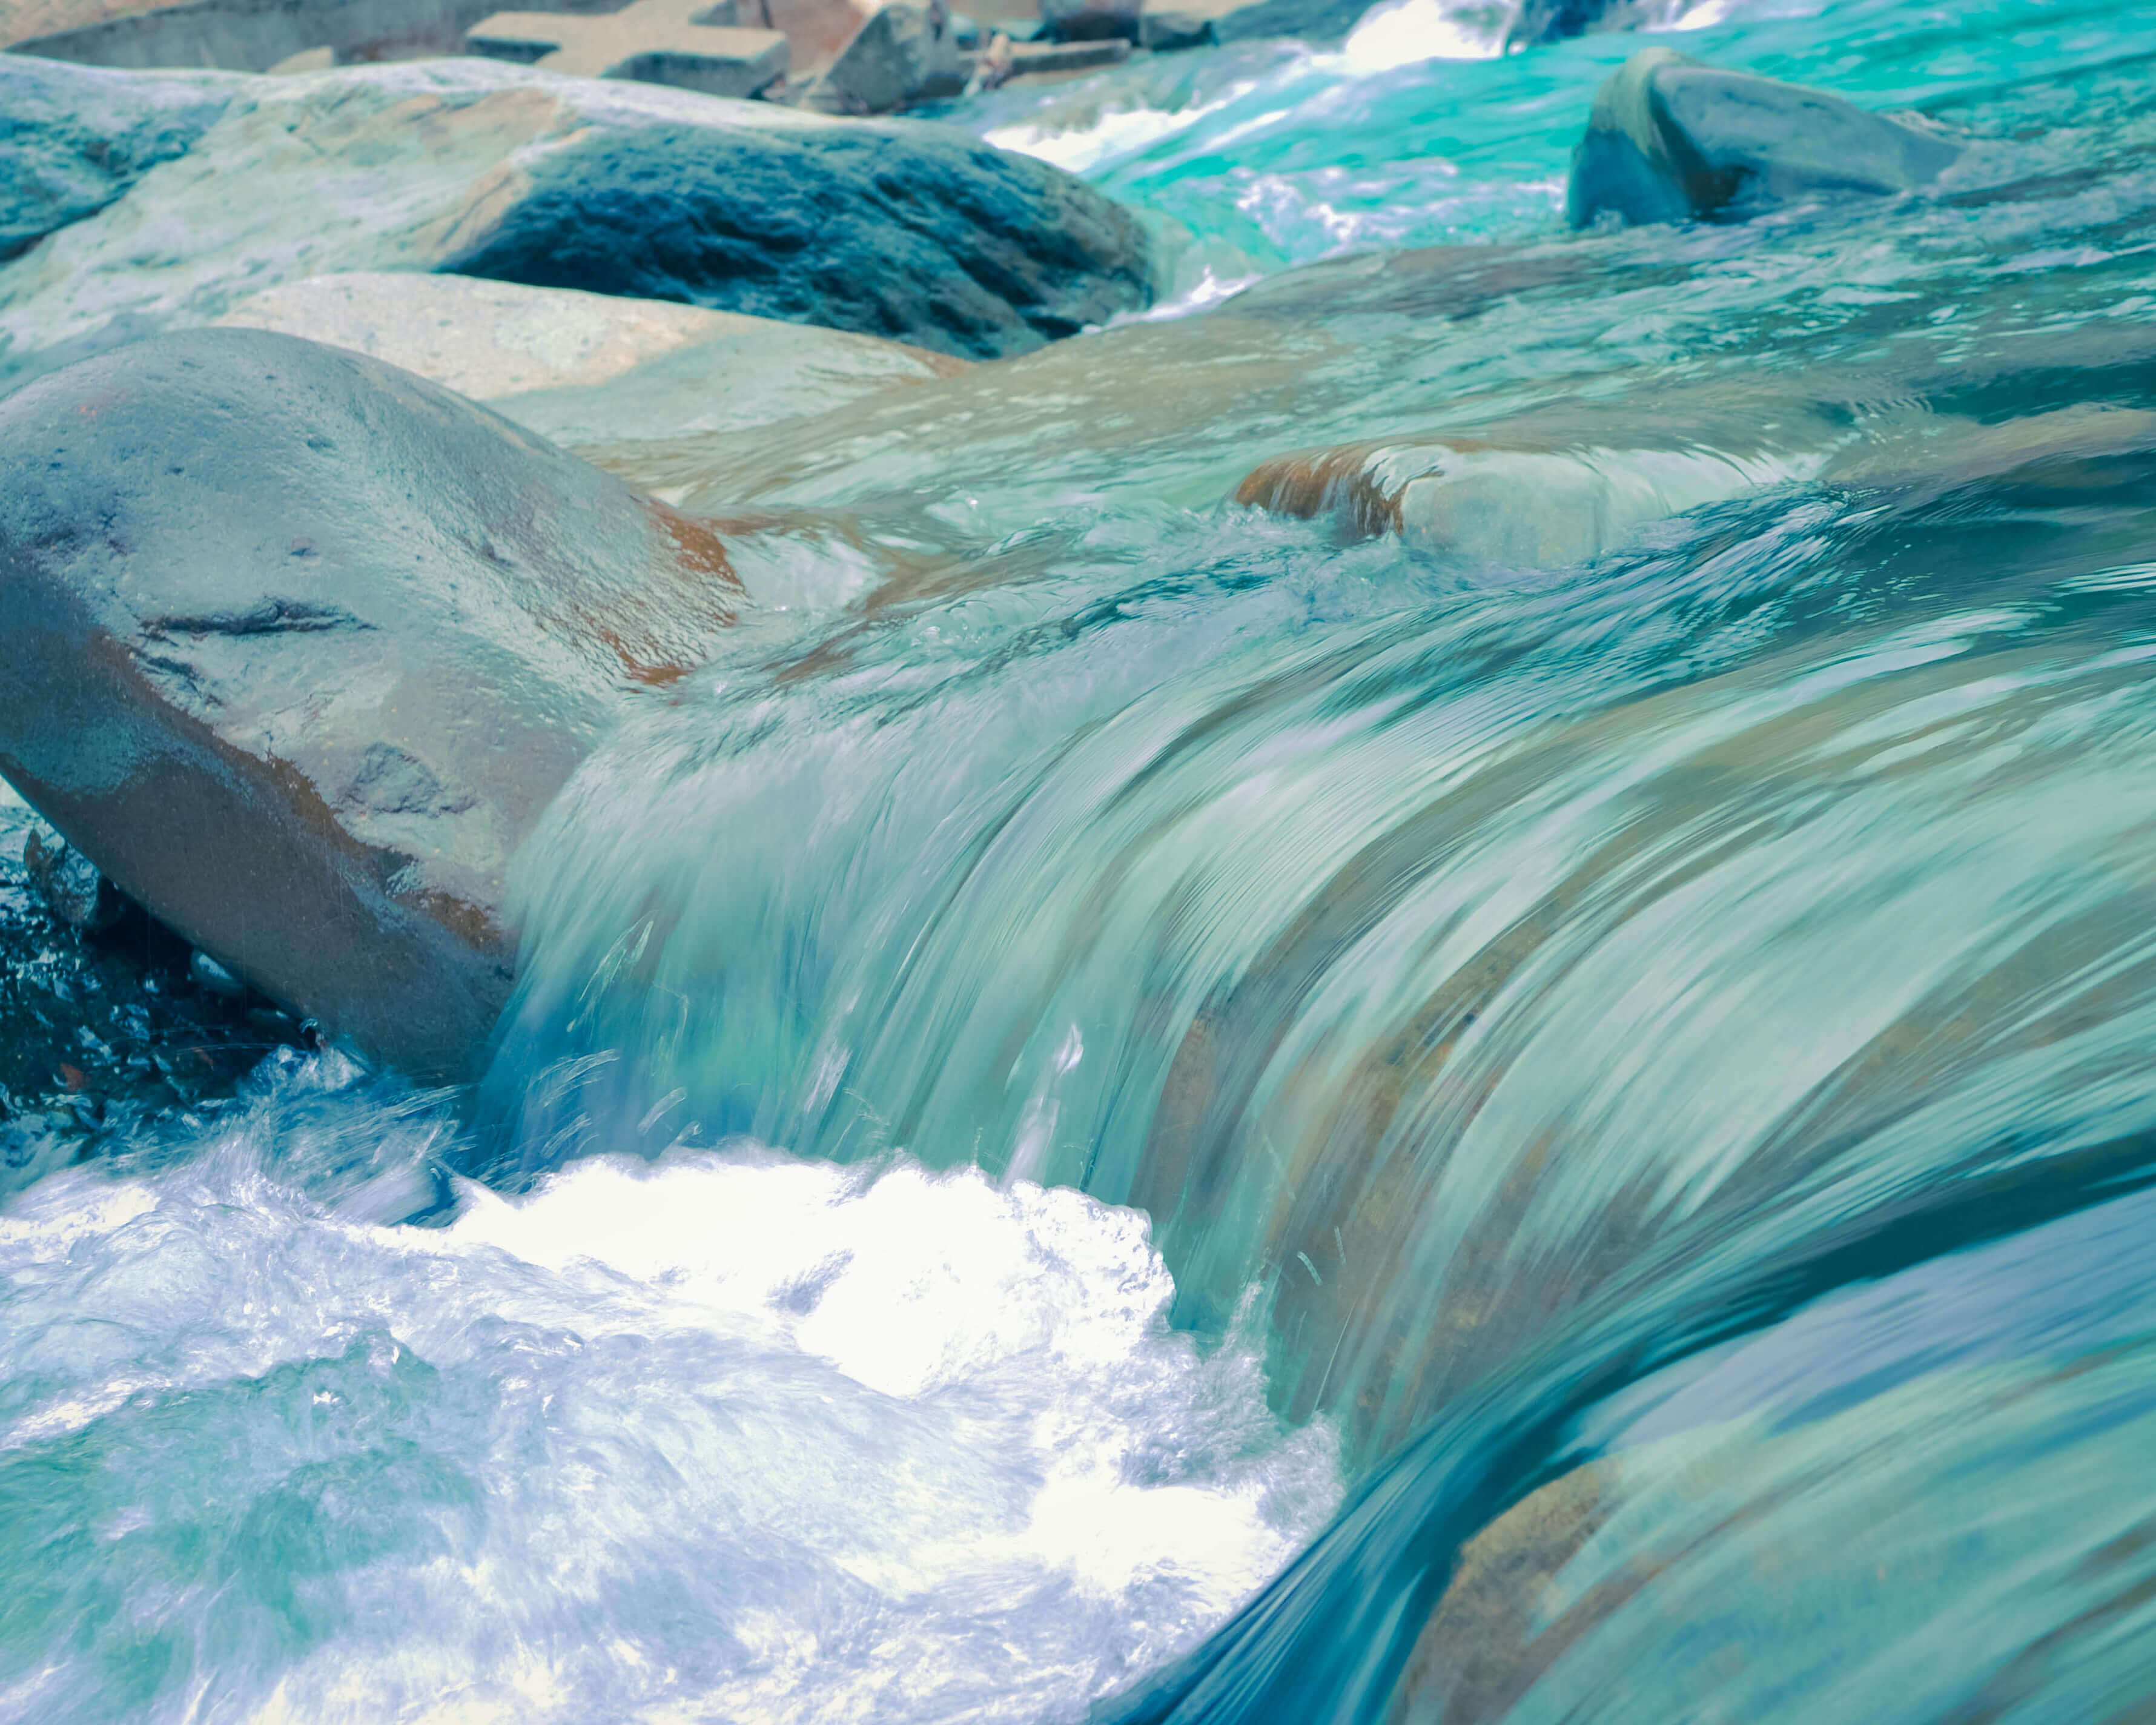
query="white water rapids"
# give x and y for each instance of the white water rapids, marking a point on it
(728, 1436)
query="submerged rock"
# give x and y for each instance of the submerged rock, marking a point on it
(296, 648)
(1492, 1633)
(1670, 140)
(897, 229)
(1504, 501)
(590, 368)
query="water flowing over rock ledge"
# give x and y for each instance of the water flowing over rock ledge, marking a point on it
(1552, 833)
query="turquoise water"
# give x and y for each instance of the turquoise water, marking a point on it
(1265, 155)
(1132, 1086)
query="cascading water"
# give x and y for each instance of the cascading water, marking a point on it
(1612, 1025)
(735, 1436)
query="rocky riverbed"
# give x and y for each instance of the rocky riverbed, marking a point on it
(1462, 730)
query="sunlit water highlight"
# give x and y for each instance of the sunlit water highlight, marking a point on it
(729, 1436)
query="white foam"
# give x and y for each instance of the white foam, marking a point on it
(1406, 32)
(729, 1436)
(1110, 134)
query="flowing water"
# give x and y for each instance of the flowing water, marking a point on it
(1526, 1104)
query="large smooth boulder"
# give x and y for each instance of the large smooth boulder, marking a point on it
(72, 142)
(892, 228)
(1670, 140)
(590, 368)
(296, 647)
(899, 229)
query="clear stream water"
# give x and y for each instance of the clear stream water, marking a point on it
(1129, 1085)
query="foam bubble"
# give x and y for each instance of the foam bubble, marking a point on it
(730, 1435)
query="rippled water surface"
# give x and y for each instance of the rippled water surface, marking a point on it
(1508, 1079)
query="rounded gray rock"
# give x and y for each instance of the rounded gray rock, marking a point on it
(294, 647)
(73, 141)
(1670, 140)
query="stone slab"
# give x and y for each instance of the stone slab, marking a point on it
(590, 369)
(694, 44)
(240, 35)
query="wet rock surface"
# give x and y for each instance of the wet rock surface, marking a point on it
(297, 646)
(897, 229)
(907, 233)
(102, 1028)
(1489, 1636)
(1670, 140)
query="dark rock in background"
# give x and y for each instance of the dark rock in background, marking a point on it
(1672, 140)
(1093, 20)
(72, 142)
(903, 55)
(906, 231)
(1164, 25)
(1541, 21)
(890, 228)
(296, 647)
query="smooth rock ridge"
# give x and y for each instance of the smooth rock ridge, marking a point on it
(1670, 140)
(582, 369)
(913, 232)
(294, 647)
(73, 142)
